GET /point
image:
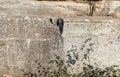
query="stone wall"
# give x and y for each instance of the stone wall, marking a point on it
(101, 34)
(27, 35)
(24, 40)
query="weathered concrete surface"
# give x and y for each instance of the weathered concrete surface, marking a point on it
(23, 40)
(103, 33)
(25, 37)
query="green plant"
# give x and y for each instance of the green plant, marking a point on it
(58, 67)
(93, 71)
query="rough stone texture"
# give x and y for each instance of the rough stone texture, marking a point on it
(45, 8)
(112, 6)
(24, 40)
(102, 32)
(29, 7)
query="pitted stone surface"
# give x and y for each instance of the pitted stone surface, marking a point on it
(24, 40)
(27, 38)
(103, 33)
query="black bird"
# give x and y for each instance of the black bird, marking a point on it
(60, 24)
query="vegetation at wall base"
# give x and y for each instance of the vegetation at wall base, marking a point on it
(58, 67)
